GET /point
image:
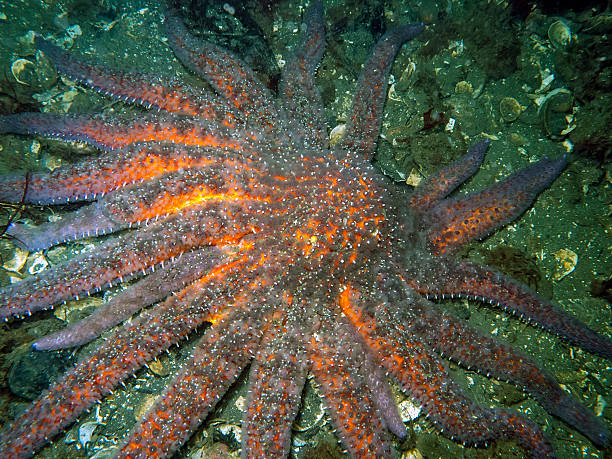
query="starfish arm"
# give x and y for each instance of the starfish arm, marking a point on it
(87, 221)
(227, 74)
(363, 126)
(217, 360)
(120, 356)
(455, 222)
(337, 365)
(148, 90)
(312, 48)
(115, 211)
(108, 132)
(169, 194)
(276, 378)
(475, 281)
(171, 277)
(426, 379)
(87, 180)
(297, 87)
(92, 179)
(111, 262)
(452, 338)
(433, 189)
(379, 385)
(221, 183)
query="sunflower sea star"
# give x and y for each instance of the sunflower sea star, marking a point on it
(235, 212)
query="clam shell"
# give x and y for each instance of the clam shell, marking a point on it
(37, 263)
(405, 79)
(40, 74)
(17, 261)
(336, 134)
(553, 111)
(566, 262)
(510, 109)
(22, 70)
(464, 87)
(559, 34)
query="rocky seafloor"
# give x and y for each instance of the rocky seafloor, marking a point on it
(536, 83)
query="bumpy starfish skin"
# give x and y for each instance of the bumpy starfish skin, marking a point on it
(301, 259)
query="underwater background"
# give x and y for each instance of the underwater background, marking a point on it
(533, 77)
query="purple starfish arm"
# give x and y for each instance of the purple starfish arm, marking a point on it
(300, 95)
(363, 127)
(109, 132)
(378, 384)
(425, 378)
(338, 367)
(278, 374)
(226, 73)
(171, 277)
(215, 363)
(383, 397)
(88, 220)
(454, 222)
(452, 338)
(452, 278)
(166, 94)
(88, 180)
(433, 189)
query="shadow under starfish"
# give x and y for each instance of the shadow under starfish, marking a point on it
(235, 212)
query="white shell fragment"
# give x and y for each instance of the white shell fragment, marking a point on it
(412, 454)
(409, 411)
(17, 67)
(74, 31)
(336, 134)
(566, 263)
(86, 431)
(559, 34)
(450, 126)
(39, 263)
(414, 178)
(600, 405)
(17, 261)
